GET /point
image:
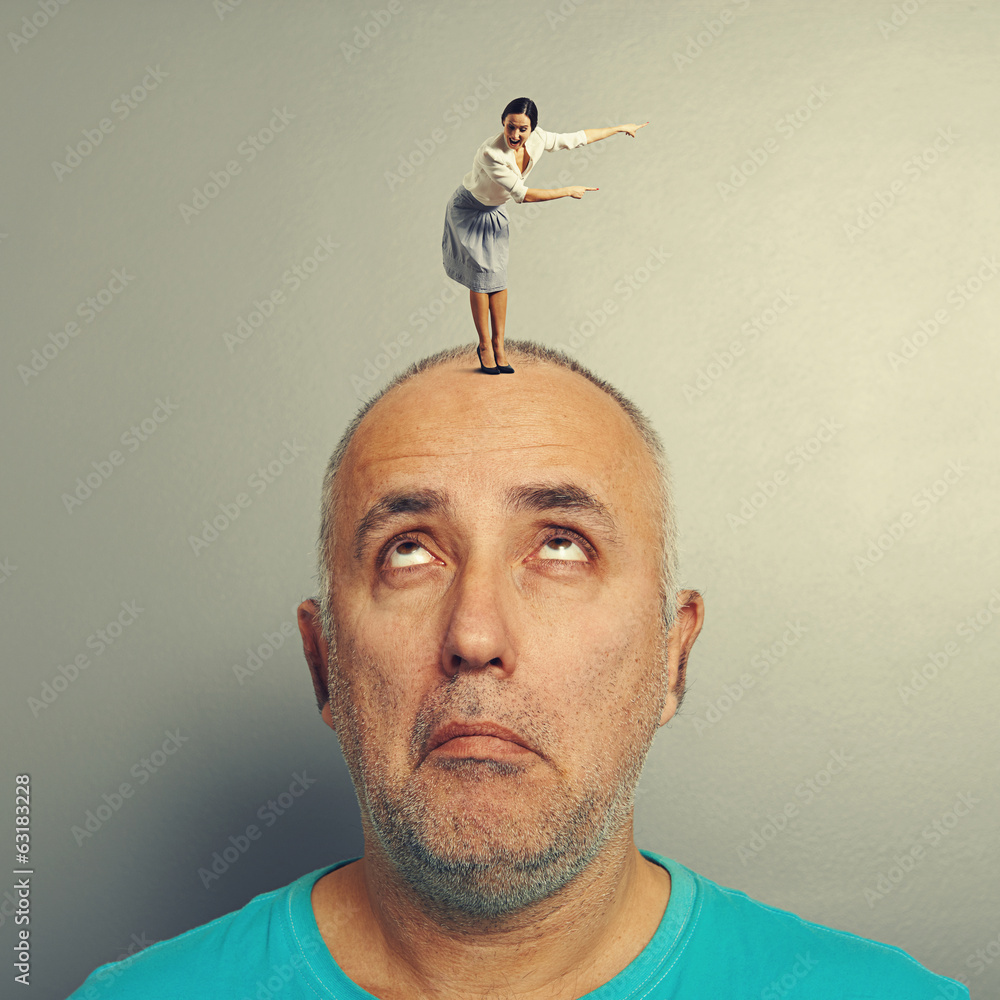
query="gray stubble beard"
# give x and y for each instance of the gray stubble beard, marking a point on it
(482, 885)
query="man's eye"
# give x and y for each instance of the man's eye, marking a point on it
(408, 553)
(562, 547)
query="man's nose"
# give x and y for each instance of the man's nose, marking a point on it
(479, 628)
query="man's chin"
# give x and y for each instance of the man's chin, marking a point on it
(477, 831)
(484, 855)
(486, 880)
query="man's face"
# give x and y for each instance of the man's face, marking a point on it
(500, 651)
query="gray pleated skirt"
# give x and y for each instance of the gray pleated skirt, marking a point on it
(475, 242)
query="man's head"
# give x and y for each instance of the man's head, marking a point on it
(497, 563)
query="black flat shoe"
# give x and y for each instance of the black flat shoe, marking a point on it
(489, 371)
(506, 369)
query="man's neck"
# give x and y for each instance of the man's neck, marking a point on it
(385, 941)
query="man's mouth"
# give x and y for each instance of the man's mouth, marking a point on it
(477, 740)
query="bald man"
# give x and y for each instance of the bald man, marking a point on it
(498, 638)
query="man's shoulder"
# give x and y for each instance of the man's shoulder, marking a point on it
(737, 933)
(217, 959)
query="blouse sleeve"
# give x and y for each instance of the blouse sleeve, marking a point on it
(501, 172)
(563, 140)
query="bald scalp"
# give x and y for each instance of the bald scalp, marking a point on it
(656, 486)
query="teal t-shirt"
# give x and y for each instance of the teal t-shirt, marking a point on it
(712, 943)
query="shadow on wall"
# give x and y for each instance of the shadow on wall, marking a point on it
(195, 853)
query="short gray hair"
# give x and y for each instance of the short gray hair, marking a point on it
(523, 351)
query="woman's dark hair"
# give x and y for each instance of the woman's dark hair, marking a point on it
(522, 106)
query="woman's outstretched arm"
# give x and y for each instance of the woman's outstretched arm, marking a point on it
(548, 194)
(596, 134)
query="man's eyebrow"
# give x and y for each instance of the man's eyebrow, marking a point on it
(562, 496)
(392, 505)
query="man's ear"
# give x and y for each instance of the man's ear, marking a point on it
(680, 639)
(314, 646)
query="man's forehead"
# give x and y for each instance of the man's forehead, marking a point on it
(545, 416)
(475, 444)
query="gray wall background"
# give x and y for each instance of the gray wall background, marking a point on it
(865, 429)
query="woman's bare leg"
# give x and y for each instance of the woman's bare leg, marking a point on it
(482, 306)
(498, 316)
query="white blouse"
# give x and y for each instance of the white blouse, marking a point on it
(495, 178)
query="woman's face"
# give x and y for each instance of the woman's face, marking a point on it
(516, 129)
